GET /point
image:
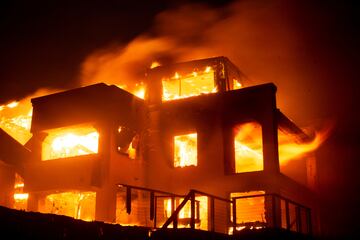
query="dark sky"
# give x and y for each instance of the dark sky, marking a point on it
(44, 43)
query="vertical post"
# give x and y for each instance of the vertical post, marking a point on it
(298, 219)
(234, 214)
(269, 126)
(212, 214)
(287, 215)
(152, 198)
(308, 216)
(128, 200)
(175, 223)
(276, 211)
(155, 210)
(192, 220)
(273, 210)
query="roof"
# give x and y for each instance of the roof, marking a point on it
(11, 151)
(91, 104)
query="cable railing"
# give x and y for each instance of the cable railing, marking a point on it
(198, 210)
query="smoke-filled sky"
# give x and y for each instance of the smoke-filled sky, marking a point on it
(308, 49)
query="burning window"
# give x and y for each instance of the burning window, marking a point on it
(127, 141)
(187, 85)
(70, 142)
(185, 150)
(20, 198)
(79, 205)
(15, 120)
(249, 210)
(248, 147)
(201, 212)
(140, 210)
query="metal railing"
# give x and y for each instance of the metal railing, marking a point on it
(199, 210)
(212, 224)
(280, 212)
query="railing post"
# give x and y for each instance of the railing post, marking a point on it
(128, 200)
(152, 202)
(273, 211)
(287, 214)
(298, 219)
(212, 214)
(155, 210)
(308, 216)
(175, 223)
(192, 220)
(234, 214)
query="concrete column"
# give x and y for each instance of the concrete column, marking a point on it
(106, 194)
(270, 141)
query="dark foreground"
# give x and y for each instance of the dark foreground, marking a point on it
(16, 224)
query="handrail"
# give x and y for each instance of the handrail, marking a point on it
(212, 196)
(195, 208)
(150, 190)
(272, 194)
(174, 215)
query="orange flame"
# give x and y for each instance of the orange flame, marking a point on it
(70, 142)
(185, 150)
(15, 116)
(248, 146)
(20, 198)
(79, 205)
(188, 85)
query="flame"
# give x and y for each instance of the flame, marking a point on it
(249, 209)
(139, 90)
(289, 149)
(188, 85)
(236, 84)
(155, 64)
(20, 198)
(70, 142)
(185, 212)
(12, 104)
(15, 120)
(185, 150)
(15, 116)
(79, 205)
(248, 146)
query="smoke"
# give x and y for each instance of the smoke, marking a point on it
(260, 37)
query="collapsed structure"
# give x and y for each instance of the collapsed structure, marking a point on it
(201, 151)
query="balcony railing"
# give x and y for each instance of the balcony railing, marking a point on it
(199, 210)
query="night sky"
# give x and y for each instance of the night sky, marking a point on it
(308, 49)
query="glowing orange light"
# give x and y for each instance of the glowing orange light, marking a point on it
(248, 148)
(188, 85)
(237, 84)
(79, 205)
(70, 142)
(185, 150)
(154, 64)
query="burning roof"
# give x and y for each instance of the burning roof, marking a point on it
(11, 151)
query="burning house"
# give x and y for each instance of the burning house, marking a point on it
(201, 150)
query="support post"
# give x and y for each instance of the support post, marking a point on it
(192, 220)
